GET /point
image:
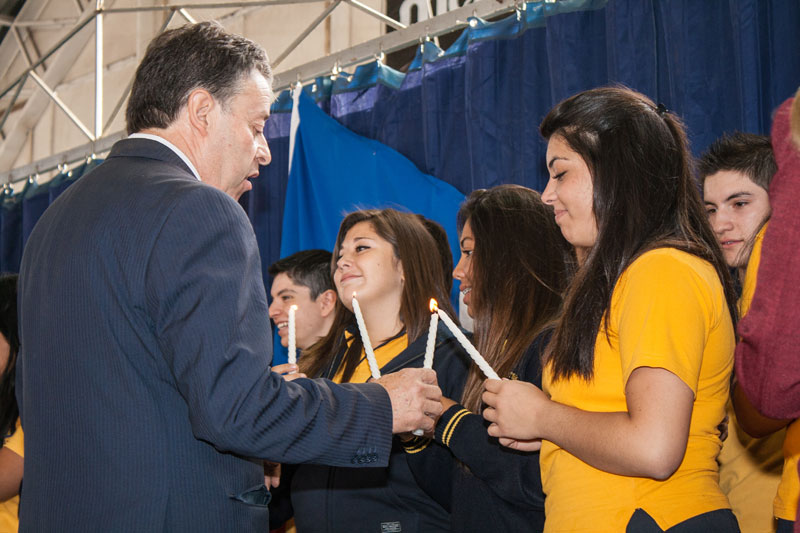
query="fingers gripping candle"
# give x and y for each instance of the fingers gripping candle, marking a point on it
(292, 335)
(362, 329)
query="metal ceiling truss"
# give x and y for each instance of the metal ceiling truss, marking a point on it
(99, 142)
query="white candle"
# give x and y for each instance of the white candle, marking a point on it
(428, 361)
(292, 336)
(471, 350)
(362, 328)
(431, 344)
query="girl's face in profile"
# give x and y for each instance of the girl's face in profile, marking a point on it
(367, 265)
(463, 270)
(570, 192)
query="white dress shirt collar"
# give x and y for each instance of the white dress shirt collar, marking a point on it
(169, 145)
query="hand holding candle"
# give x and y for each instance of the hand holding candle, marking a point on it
(362, 328)
(292, 335)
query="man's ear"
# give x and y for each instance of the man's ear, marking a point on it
(199, 106)
(327, 302)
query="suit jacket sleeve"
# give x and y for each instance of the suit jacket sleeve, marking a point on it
(208, 307)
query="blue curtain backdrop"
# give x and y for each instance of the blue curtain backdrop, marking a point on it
(469, 115)
(376, 177)
(19, 211)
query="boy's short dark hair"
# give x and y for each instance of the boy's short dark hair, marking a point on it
(747, 153)
(310, 268)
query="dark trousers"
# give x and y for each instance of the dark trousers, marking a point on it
(784, 526)
(719, 521)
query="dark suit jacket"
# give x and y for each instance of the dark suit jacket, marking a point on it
(143, 381)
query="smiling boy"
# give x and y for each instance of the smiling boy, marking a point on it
(303, 279)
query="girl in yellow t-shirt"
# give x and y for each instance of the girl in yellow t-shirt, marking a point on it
(637, 375)
(11, 453)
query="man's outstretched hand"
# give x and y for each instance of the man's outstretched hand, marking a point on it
(416, 399)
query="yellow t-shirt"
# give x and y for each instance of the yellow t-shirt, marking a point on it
(749, 473)
(785, 505)
(788, 490)
(383, 354)
(751, 274)
(9, 520)
(668, 310)
(749, 468)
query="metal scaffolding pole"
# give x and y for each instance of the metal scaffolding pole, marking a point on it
(98, 70)
(13, 101)
(217, 5)
(389, 21)
(66, 157)
(82, 24)
(300, 38)
(67, 111)
(185, 14)
(391, 42)
(402, 38)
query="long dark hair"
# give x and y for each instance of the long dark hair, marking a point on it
(643, 198)
(8, 328)
(416, 250)
(520, 270)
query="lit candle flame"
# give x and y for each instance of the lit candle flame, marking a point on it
(434, 306)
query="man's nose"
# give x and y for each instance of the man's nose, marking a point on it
(263, 155)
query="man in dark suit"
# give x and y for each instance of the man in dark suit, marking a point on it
(143, 383)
